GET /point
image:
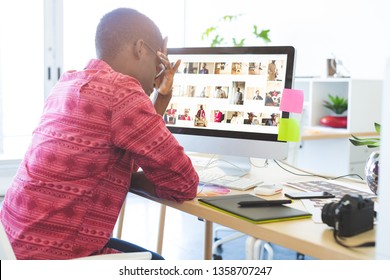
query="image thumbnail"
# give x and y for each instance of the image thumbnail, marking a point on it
(200, 117)
(222, 68)
(170, 114)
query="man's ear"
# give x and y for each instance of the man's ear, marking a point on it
(138, 49)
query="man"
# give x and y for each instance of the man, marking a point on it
(272, 121)
(257, 95)
(250, 118)
(170, 115)
(204, 69)
(272, 71)
(219, 93)
(238, 98)
(186, 116)
(98, 127)
(200, 117)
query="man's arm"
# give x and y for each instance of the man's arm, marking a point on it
(140, 184)
(161, 101)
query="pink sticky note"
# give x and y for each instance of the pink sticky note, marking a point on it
(292, 101)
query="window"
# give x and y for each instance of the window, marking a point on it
(58, 35)
(21, 74)
(82, 17)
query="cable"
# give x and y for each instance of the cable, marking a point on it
(309, 174)
(212, 160)
(209, 162)
(338, 241)
(264, 166)
(348, 175)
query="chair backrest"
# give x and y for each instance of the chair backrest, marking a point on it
(6, 251)
(120, 256)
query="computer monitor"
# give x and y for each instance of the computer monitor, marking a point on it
(226, 102)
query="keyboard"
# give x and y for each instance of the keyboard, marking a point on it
(231, 182)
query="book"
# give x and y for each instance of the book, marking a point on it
(229, 204)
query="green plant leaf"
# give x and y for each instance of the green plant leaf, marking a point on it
(208, 31)
(368, 143)
(216, 41)
(224, 23)
(336, 104)
(263, 34)
(365, 138)
(377, 128)
(230, 17)
(238, 44)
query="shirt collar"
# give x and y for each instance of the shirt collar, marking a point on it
(98, 64)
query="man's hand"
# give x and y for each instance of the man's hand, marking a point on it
(165, 81)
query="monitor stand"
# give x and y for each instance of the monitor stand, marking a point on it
(233, 165)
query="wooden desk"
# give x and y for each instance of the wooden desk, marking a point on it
(303, 235)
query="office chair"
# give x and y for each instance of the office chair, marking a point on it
(121, 220)
(255, 249)
(7, 253)
(160, 237)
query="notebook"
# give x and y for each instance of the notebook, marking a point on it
(258, 215)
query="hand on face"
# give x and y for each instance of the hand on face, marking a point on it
(164, 82)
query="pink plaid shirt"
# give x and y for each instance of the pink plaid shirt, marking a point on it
(97, 127)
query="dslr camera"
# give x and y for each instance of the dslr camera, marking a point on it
(352, 215)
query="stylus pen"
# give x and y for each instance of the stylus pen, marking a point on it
(264, 203)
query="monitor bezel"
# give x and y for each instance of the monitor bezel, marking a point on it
(271, 50)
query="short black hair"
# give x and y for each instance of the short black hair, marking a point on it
(122, 26)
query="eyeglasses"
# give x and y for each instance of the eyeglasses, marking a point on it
(161, 67)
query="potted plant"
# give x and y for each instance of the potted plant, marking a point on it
(338, 105)
(372, 165)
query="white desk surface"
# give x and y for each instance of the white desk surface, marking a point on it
(304, 236)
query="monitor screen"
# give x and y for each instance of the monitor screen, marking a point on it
(226, 99)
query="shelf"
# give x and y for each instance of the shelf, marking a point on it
(364, 100)
(328, 150)
(319, 132)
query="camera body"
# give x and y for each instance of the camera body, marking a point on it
(352, 215)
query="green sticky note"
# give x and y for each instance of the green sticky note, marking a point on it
(289, 130)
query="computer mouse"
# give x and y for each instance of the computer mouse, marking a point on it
(268, 189)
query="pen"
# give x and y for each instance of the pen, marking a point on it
(264, 203)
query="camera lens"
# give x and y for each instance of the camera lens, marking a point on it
(328, 213)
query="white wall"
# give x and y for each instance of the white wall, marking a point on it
(355, 31)
(82, 17)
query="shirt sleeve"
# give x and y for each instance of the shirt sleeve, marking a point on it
(137, 128)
